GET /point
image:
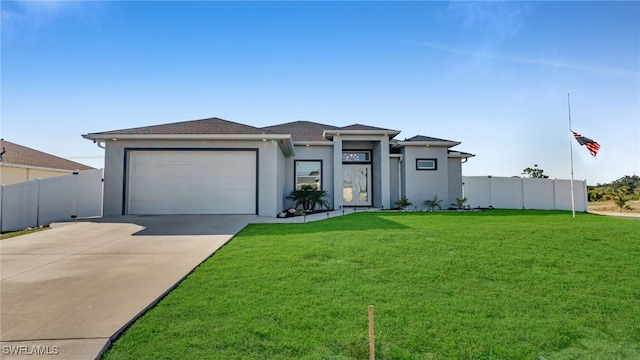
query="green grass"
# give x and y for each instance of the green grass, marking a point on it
(11, 234)
(492, 285)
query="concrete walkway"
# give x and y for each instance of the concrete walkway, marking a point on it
(66, 292)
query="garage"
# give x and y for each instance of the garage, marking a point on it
(201, 181)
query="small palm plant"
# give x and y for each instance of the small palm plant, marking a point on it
(309, 198)
(403, 202)
(433, 203)
(460, 202)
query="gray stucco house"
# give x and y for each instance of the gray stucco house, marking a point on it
(215, 166)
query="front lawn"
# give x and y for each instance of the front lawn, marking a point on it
(480, 285)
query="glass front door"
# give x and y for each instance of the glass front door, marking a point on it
(356, 185)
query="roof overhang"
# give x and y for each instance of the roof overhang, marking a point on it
(448, 144)
(329, 134)
(460, 155)
(283, 140)
(313, 143)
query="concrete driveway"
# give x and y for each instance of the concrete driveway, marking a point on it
(67, 291)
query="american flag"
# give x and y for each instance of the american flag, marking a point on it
(591, 145)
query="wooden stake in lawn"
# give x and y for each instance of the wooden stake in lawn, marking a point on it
(372, 346)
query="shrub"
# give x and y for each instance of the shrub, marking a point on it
(403, 202)
(432, 203)
(460, 202)
(309, 198)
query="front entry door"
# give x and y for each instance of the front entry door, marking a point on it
(356, 185)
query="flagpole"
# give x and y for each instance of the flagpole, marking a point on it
(573, 203)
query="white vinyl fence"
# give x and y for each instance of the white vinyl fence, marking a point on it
(43, 201)
(521, 193)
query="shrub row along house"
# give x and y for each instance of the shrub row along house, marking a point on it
(215, 166)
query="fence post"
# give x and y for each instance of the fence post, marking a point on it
(522, 192)
(74, 194)
(585, 193)
(38, 202)
(490, 192)
(1, 201)
(101, 192)
(555, 205)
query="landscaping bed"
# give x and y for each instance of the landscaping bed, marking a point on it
(11, 234)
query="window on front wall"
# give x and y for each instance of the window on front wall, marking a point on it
(426, 164)
(356, 156)
(309, 173)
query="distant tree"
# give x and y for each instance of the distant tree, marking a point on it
(627, 187)
(630, 183)
(595, 194)
(535, 172)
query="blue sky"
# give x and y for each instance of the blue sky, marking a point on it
(493, 75)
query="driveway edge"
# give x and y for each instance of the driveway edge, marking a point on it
(151, 305)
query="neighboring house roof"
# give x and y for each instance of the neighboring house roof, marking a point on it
(302, 130)
(204, 126)
(21, 155)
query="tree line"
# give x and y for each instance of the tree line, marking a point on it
(620, 191)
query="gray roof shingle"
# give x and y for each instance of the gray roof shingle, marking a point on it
(365, 128)
(302, 130)
(22, 155)
(312, 131)
(203, 126)
(299, 130)
(426, 138)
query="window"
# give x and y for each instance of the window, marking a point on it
(426, 164)
(356, 156)
(309, 173)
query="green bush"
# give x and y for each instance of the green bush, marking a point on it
(309, 198)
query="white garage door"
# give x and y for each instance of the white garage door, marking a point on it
(192, 182)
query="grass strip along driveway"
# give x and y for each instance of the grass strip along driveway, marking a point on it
(484, 285)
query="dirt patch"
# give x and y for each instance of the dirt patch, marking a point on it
(610, 208)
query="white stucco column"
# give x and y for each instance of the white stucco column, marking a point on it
(385, 182)
(337, 172)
